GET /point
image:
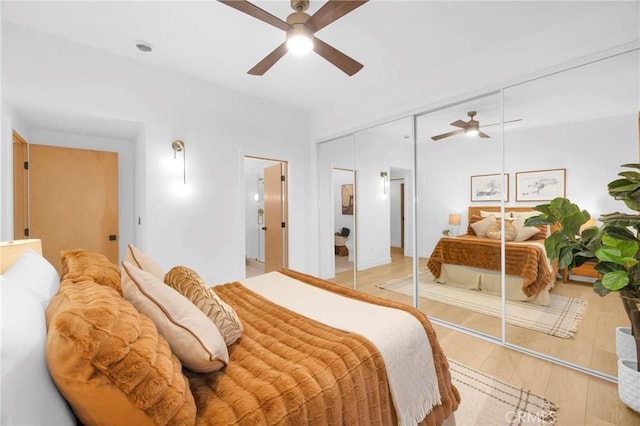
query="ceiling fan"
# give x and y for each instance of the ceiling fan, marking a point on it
(470, 127)
(300, 28)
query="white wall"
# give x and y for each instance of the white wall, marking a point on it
(200, 225)
(376, 151)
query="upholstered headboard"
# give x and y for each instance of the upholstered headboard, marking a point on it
(10, 251)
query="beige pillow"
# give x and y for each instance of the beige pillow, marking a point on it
(480, 227)
(144, 262)
(494, 231)
(192, 336)
(188, 283)
(523, 233)
(109, 361)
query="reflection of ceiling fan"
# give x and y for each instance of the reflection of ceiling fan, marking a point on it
(470, 128)
(300, 28)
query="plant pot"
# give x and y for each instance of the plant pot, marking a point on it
(625, 343)
(629, 383)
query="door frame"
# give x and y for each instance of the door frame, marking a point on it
(20, 187)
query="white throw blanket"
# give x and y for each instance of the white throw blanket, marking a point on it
(398, 336)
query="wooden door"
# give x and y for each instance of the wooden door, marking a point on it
(275, 247)
(73, 199)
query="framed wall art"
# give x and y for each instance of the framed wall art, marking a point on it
(347, 199)
(540, 185)
(489, 187)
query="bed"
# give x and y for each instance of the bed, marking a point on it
(473, 260)
(292, 349)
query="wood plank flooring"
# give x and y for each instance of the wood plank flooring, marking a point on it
(583, 399)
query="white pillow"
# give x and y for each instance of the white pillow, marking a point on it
(525, 215)
(29, 396)
(33, 272)
(497, 215)
(193, 337)
(480, 227)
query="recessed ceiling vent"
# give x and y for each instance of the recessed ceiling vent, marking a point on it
(143, 46)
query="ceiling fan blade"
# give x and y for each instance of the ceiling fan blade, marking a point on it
(273, 57)
(348, 65)
(483, 135)
(331, 11)
(460, 123)
(253, 10)
(506, 122)
(446, 135)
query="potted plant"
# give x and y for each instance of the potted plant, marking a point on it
(615, 248)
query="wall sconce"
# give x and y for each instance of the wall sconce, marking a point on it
(385, 182)
(454, 221)
(178, 146)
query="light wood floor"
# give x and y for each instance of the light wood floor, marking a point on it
(583, 399)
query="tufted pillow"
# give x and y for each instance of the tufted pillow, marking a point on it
(188, 283)
(109, 361)
(192, 336)
(82, 265)
(494, 231)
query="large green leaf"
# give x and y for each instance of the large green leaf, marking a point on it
(631, 176)
(565, 257)
(615, 281)
(609, 254)
(628, 248)
(599, 288)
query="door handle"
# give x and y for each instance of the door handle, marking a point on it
(112, 237)
(264, 228)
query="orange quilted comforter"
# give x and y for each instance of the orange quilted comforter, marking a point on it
(288, 369)
(526, 260)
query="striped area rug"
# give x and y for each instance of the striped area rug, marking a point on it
(489, 401)
(560, 318)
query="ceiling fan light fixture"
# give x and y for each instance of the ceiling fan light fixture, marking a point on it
(471, 132)
(299, 40)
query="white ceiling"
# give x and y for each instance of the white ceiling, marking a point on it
(414, 52)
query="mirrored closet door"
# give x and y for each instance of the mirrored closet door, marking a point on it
(337, 208)
(460, 188)
(384, 163)
(480, 166)
(578, 127)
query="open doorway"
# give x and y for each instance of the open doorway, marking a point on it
(266, 236)
(343, 219)
(399, 205)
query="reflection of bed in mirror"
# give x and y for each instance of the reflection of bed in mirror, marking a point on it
(473, 260)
